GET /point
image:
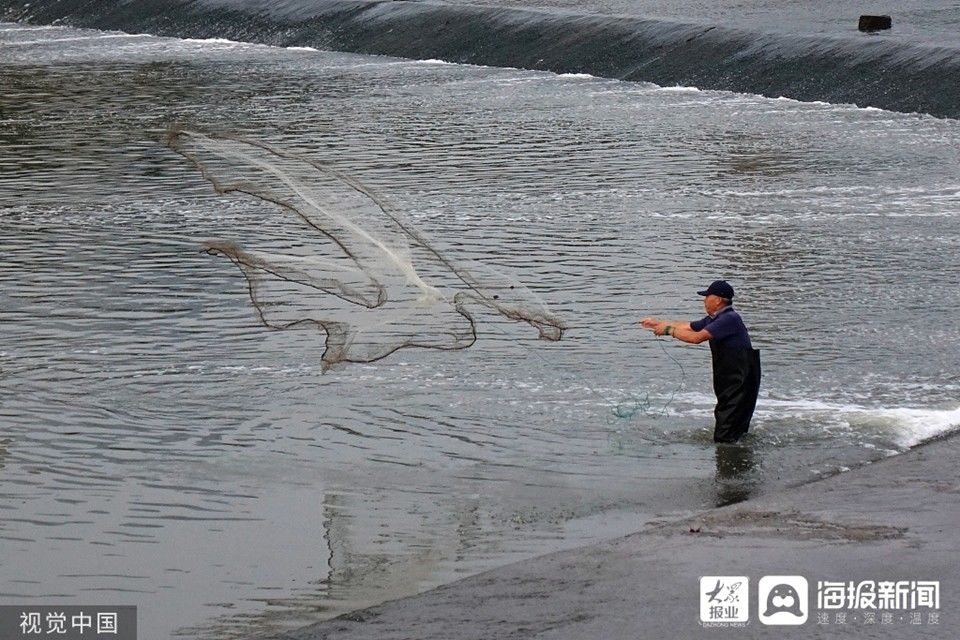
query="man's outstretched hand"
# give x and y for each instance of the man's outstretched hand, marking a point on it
(657, 326)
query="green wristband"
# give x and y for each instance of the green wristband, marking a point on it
(668, 329)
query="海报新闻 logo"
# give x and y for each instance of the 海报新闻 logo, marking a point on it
(783, 600)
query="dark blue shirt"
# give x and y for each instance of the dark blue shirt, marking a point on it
(726, 327)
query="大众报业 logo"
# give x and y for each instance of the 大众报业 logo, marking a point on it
(724, 600)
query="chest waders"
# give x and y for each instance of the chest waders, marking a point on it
(736, 381)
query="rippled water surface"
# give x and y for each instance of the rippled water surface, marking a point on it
(159, 447)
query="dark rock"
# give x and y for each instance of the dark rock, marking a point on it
(875, 23)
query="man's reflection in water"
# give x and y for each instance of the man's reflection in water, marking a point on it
(737, 474)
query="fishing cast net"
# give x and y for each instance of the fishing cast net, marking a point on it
(356, 269)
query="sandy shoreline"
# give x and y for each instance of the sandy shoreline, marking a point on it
(895, 519)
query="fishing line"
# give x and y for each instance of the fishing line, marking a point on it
(628, 409)
(623, 409)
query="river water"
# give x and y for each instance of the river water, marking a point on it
(160, 447)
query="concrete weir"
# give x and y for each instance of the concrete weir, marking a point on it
(850, 69)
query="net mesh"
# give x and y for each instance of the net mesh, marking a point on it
(358, 269)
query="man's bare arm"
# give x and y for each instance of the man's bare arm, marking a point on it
(684, 333)
(679, 329)
(655, 324)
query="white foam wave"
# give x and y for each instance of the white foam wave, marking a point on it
(8, 27)
(679, 89)
(905, 427)
(57, 41)
(802, 102)
(918, 425)
(217, 41)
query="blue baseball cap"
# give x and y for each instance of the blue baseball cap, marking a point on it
(720, 288)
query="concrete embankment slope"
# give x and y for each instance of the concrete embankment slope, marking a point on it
(896, 519)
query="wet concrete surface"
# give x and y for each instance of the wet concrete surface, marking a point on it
(891, 520)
